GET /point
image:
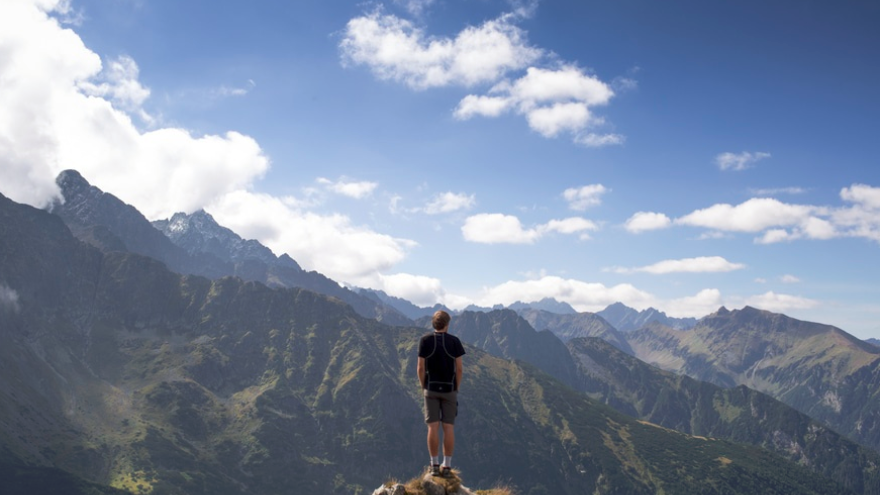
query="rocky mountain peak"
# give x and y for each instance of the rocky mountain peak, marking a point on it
(198, 232)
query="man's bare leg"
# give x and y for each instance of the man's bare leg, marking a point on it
(448, 443)
(434, 439)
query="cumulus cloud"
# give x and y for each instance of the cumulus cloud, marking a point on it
(703, 303)
(118, 83)
(417, 289)
(346, 187)
(702, 264)
(862, 218)
(780, 303)
(395, 49)
(583, 296)
(553, 101)
(497, 228)
(448, 202)
(8, 299)
(330, 244)
(581, 198)
(790, 279)
(739, 161)
(63, 108)
(754, 215)
(777, 221)
(645, 220)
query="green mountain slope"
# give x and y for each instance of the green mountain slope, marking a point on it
(129, 375)
(739, 414)
(818, 369)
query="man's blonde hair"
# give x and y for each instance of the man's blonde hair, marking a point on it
(440, 320)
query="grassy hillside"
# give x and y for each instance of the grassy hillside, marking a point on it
(820, 370)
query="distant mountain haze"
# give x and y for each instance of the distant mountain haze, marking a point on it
(627, 319)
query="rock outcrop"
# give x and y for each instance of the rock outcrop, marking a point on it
(434, 485)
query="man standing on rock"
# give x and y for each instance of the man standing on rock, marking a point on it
(440, 371)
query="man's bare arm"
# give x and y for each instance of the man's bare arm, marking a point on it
(420, 370)
(459, 371)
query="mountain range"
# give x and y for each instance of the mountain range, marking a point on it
(203, 363)
(124, 373)
(193, 244)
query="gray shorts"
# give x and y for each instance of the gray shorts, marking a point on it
(441, 406)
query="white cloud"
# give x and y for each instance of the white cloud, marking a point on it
(592, 140)
(8, 299)
(645, 220)
(582, 296)
(790, 279)
(780, 303)
(415, 7)
(705, 302)
(395, 49)
(228, 91)
(754, 215)
(448, 202)
(865, 196)
(778, 190)
(346, 187)
(497, 228)
(703, 264)
(862, 219)
(581, 198)
(63, 109)
(553, 119)
(419, 290)
(570, 225)
(330, 244)
(552, 100)
(118, 83)
(739, 161)
(487, 106)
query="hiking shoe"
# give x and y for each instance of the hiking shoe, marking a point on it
(435, 470)
(446, 472)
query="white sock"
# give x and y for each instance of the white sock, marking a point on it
(447, 461)
(435, 460)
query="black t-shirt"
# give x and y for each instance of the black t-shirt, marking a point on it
(440, 350)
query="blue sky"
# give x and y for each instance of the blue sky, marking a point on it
(682, 155)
